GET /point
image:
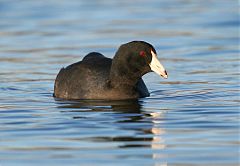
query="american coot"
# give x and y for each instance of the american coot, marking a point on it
(99, 77)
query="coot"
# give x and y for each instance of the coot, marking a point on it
(99, 77)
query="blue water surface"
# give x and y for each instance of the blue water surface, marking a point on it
(190, 119)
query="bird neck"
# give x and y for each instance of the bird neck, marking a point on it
(123, 80)
(121, 74)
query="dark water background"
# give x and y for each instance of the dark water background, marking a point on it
(192, 118)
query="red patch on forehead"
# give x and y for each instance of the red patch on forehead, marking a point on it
(142, 53)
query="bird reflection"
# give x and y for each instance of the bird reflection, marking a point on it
(131, 118)
(127, 106)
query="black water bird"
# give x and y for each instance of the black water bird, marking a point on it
(99, 77)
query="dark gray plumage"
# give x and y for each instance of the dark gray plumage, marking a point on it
(98, 77)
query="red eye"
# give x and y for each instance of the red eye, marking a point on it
(142, 53)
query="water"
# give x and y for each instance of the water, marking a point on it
(192, 118)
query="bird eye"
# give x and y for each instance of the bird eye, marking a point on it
(142, 53)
